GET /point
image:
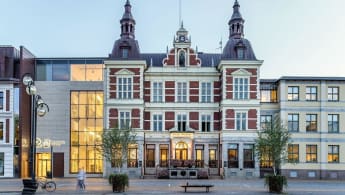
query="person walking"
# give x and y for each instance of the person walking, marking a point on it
(81, 179)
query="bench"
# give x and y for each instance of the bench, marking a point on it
(206, 186)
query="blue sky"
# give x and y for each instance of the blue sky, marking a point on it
(293, 37)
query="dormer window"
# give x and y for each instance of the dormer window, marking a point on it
(124, 52)
(240, 52)
(182, 59)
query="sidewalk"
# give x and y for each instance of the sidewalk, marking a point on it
(165, 186)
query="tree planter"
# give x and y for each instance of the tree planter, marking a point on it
(119, 182)
(275, 183)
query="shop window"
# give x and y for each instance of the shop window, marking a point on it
(248, 156)
(233, 156)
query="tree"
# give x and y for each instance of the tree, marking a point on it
(272, 142)
(115, 145)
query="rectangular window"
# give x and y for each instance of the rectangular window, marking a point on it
(86, 129)
(293, 93)
(265, 121)
(233, 156)
(311, 94)
(44, 70)
(248, 156)
(199, 156)
(125, 120)
(268, 92)
(2, 164)
(1, 131)
(311, 153)
(311, 122)
(163, 155)
(293, 153)
(157, 122)
(150, 155)
(333, 94)
(206, 92)
(81, 70)
(132, 158)
(212, 154)
(333, 154)
(181, 122)
(116, 160)
(333, 123)
(205, 123)
(181, 92)
(157, 92)
(293, 122)
(241, 121)
(124, 52)
(124, 88)
(1, 100)
(241, 88)
(61, 70)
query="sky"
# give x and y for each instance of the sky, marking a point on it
(293, 37)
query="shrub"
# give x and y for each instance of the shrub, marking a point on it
(119, 182)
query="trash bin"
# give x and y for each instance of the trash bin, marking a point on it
(49, 174)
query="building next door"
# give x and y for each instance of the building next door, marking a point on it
(181, 151)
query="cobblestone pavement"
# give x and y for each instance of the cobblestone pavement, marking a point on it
(153, 186)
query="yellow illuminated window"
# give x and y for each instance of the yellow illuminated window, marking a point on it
(86, 72)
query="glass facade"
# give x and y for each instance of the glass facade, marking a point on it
(86, 131)
(69, 70)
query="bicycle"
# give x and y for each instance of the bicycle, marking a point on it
(49, 186)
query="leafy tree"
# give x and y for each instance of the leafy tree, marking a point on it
(272, 143)
(115, 145)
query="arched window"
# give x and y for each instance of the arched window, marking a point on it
(182, 59)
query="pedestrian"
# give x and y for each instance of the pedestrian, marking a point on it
(81, 179)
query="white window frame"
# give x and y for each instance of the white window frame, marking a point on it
(201, 94)
(130, 118)
(238, 92)
(201, 115)
(177, 89)
(240, 120)
(122, 92)
(153, 92)
(177, 121)
(153, 121)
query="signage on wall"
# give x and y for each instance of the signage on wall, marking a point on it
(47, 143)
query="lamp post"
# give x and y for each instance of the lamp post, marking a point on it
(38, 107)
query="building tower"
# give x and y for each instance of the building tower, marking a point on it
(126, 47)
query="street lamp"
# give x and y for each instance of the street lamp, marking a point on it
(40, 108)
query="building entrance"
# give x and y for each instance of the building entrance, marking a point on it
(181, 151)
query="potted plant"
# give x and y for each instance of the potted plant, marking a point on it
(119, 182)
(114, 148)
(272, 143)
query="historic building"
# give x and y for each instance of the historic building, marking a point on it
(195, 114)
(9, 58)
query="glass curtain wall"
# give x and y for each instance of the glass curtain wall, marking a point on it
(86, 131)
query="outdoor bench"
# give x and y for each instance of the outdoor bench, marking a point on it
(206, 186)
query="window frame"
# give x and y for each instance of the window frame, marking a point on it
(248, 163)
(233, 161)
(241, 91)
(157, 94)
(2, 101)
(310, 94)
(155, 122)
(333, 155)
(121, 93)
(333, 96)
(311, 154)
(3, 131)
(182, 92)
(292, 94)
(206, 92)
(293, 156)
(241, 122)
(292, 123)
(309, 122)
(208, 120)
(180, 119)
(264, 123)
(333, 125)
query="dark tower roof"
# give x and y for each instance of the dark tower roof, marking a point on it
(237, 47)
(126, 47)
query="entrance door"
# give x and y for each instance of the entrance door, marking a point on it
(43, 164)
(58, 164)
(181, 151)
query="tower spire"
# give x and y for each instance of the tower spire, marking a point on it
(127, 22)
(236, 22)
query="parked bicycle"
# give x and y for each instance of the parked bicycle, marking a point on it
(49, 186)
